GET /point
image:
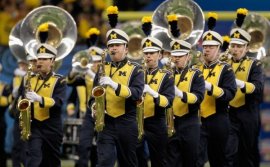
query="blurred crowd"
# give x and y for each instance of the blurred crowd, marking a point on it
(86, 13)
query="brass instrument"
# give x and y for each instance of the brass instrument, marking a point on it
(81, 61)
(140, 109)
(134, 30)
(24, 106)
(98, 93)
(225, 56)
(190, 21)
(62, 33)
(169, 111)
(259, 29)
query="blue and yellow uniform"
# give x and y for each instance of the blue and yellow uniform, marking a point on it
(214, 110)
(155, 127)
(244, 107)
(184, 145)
(5, 92)
(44, 144)
(120, 132)
(244, 111)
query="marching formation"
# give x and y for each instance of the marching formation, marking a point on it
(170, 106)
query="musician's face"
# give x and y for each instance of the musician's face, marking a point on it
(210, 52)
(94, 67)
(238, 50)
(22, 66)
(151, 59)
(117, 52)
(181, 61)
(44, 65)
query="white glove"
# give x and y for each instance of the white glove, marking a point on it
(19, 72)
(90, 73)
(178, 92)
(149, 90)
(164, 60)
(240, 83)
(33, 96)
(15, 92)
(74, 71)
(208, 85)
(108, 81)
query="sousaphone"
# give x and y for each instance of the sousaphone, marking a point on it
(190, 21)
(62, 30)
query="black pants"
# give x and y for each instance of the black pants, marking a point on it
(213, 139)
(85, 141)
(43, 148)
(18, 150)
(183, 146)
(155, 134)
(118, 139)
(242, 147)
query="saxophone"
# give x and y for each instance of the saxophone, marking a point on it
(98, 93)
(140, 110)
(24, 107)
(169, 111)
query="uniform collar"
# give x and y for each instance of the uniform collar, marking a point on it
(180, 70)
(237, 61)
(120, 64)
(152, 71)
(212, 64)
(46, 77)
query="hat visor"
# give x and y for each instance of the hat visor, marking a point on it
(212, 42)
(45, 55)
(150, 49)
(29, 58)
(96, 58)
(237, 41)
(116, 41)
(179, 53)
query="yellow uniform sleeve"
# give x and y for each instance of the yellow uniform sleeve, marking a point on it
(249, 88)
(217, 91)
(163, 101)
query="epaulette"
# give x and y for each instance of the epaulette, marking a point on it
(258, 62)
(196, 66)
(222, 63)
(164, 71)
(63, 80)
(134, 63)
(58, 75)
(194, 69)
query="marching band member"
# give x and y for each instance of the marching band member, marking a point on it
(159, 94)
(87, 129)
(124, 86)
(189, 93)
(244, 107)
(47, 96)
(18, 149)
(5, 92)
(220, 89)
